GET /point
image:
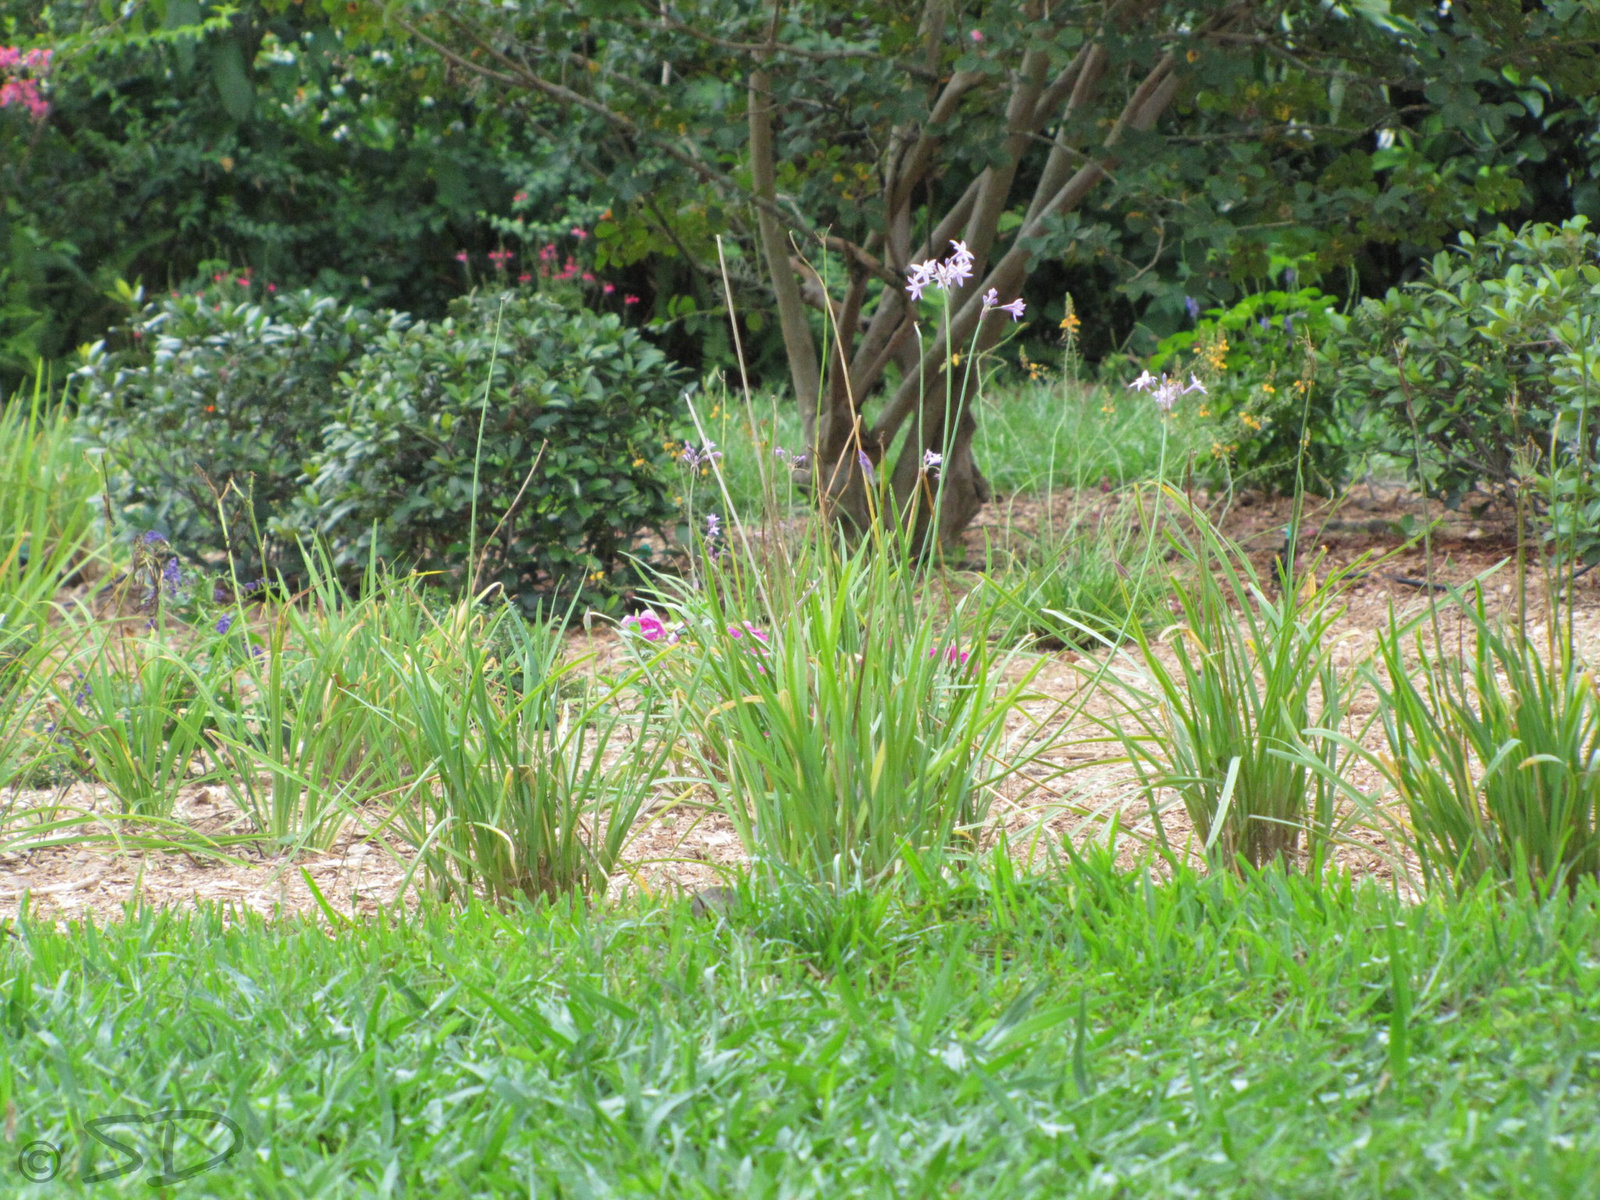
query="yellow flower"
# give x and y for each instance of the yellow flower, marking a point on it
(955, 360)
(638, 462)
(1249, 421)
(1268, 388)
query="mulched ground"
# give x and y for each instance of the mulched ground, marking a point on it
(686, 848)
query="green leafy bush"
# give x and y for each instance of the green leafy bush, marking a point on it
(1483, 373)
(402, 471)
(212, 408)
(1270, 397)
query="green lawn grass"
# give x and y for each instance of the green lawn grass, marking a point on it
(1078, 1034)
(1032, 437)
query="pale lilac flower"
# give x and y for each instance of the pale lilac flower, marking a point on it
(991, 298)
(1014, 308)
(922, 274)
(866, 464)
(951, 273)
(713, 526)
(1192, 307)
(1165, 391)
(932, 461)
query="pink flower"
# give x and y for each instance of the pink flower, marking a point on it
(607, 289)
(647, 624)
(738, 631)
(976, 35)
(579, 232)
(461, 256)
(524, 278)
(587, 277)
(272, 287)
(519, 197)
(630, 299)
(953, 657)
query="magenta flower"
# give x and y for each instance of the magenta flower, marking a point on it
(954, 656)
(461, 256)
(647, 625)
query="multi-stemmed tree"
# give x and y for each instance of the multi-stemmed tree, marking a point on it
(839, 144)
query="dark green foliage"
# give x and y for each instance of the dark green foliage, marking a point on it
(211, 409)
(331, 158)
(1485, 373)
(396, 471)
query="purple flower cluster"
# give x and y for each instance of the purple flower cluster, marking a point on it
(1165, 391)
(702, 457)
(952, 273)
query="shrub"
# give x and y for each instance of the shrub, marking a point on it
(1483, 372)
(1269, 396)
(402, 471)
(213, 407)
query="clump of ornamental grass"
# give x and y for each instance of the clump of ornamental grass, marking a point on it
(837, 725)
(48, 510)
(130, 711)
(527, 777)
(1495, 755)
(299, 730)
(1238, 723)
